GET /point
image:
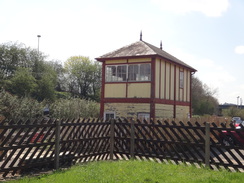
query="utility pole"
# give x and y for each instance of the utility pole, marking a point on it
(237, 101)
(38, 36)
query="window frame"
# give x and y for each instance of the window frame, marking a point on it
(140, 73)
(145, 115)
(130, 74)
(121, 74)
(144, 71)
(109, 112)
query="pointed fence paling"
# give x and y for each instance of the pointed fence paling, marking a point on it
(26, 146)
(179, 142)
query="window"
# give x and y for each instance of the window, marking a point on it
(111, 73)
(109, 115)
(133, 72)
(181, 79)
(116, 73)
(143, 116)
(121, 72)
(145, 72)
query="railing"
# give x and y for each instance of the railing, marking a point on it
(26, 146)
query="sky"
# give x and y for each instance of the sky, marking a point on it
(206, 34)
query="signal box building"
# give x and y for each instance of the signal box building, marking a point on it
(143, 81)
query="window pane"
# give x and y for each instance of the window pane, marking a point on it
(145, 72)
(143, 116)
(181, 79)
(111, 73)
(121, 72)
(133, 73)
(109, 116)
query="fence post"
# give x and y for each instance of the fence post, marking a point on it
(112, 121)
(1, 119)
(57, 144)
(207, 145)
(132, 139)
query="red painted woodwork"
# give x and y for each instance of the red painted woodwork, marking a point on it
(153, 87)
(102, 91)
(145, 100)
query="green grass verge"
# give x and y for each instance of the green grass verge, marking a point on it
(135, 172)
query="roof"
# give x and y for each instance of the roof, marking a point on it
(139, 49)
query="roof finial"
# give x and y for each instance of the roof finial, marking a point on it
(161, 47)
(141, 36)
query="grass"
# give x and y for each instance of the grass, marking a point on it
(135, 172)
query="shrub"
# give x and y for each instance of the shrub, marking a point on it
(15, 108)
(234, 111)
(74, 108)
(22, 108)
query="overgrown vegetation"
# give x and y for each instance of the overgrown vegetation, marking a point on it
(136, 171)
(25, 72)
(234, 111)
(74, 108)
(29, 83)
(14, 107)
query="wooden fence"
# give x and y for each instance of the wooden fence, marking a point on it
(195, 144)
(48, 144)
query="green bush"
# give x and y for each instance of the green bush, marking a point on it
(233, 111)
(22, 108)
(74, 108)
(15, 108)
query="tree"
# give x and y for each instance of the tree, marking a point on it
(83, 76)
(61, 82)
(22, 83)
(96, 82)
(203, 100)
(46, 83)
(15, 55)
(24, 70)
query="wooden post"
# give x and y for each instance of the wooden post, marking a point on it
(112, 138)
(207, 145)
(132, 140)
(57, 145)
(1, 119)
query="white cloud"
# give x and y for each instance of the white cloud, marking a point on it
(220, 79)
(211, 8)
(210, 72)
(242, 86)
(239, 50)
(191, 59)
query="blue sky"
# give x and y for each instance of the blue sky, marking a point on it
(206, 34)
